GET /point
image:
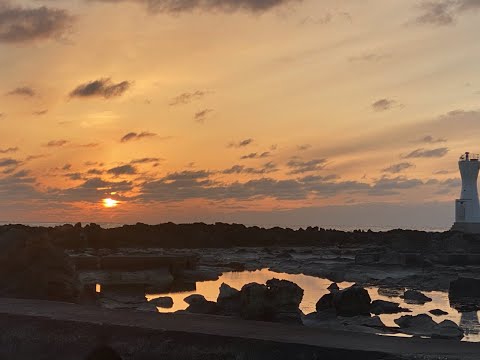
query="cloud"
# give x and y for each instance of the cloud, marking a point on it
(21, 25)
(383, 104)
(95, 172)
(92, 190)
(226, 6)
(24, 91)
(422, 153)
(303, 147)
(298, 166)
(9, 150)
(397, 168)
(240, 144)
(6, 162)
(187, 98)
(431, 140)
(369, 57)
(444, 12)
(146, 160)
(122, 170)
(256, 156)
(240, 169)
(104, 88)
(56, 143)
(88, 145)
(201, 116)
(40, 113)
(131, 136)
(387, 186)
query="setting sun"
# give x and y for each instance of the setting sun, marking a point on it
(109, 203)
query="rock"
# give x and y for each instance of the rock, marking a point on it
(284, 301)
(254, 302)
(438, 312)
(424, 325)
(390, 292)
(33, 268)
(194, 298)
(464, 294)
(277, 301)
(447, 329)
(228, 300)
(415, 297)
(386, 307)
(227, 292)
(352, 301)
(203, 307)
(165, 302)
(333, 287)
(324, 303)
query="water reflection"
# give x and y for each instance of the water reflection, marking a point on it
(314, 288)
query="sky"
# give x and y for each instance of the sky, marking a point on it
(336, 113)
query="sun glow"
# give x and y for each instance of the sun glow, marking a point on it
(109, 203)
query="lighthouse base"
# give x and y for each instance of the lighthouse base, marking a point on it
(466, 227)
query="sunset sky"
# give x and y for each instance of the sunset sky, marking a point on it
(271, 112)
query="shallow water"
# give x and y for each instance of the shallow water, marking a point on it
(315, 287)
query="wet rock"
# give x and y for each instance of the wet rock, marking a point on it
(194, 298)
(447, 329)
(333, 287)
(203, 307)
(285, 298)
(438, 312)
(390, 292)
(33, 268)
(165, 302)
(254, 302)
(277, 301)
(424, 325)
(324, 303)
(228, 300)
(386, 307)
(352, 301)
(415, 297)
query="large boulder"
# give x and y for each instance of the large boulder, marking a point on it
(277, 301)
(228, 300)
(284, 301)
(33, 268)
(324, 303)
(352, 301)
(254, 302)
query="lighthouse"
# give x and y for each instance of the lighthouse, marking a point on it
(467, 208)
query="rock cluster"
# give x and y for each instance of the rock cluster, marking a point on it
(424, 325)
(275, 301)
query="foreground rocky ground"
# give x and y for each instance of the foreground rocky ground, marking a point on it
(39, 264)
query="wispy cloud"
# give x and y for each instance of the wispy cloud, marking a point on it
(187, 97)
(24, 91)
(201, 116)
(423, 153)
(240, 144)
(136, 136)
(56, 143)
(103, 88)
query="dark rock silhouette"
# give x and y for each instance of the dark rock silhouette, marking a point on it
(415, 297)
(386, 307)
(33, 268)
(103, 353)
(424, 325)
(352, 301)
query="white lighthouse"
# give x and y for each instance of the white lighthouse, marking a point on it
(467, 208)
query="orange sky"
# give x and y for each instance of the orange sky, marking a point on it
(289, 112)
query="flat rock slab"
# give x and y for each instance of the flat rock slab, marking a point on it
(27, 317)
